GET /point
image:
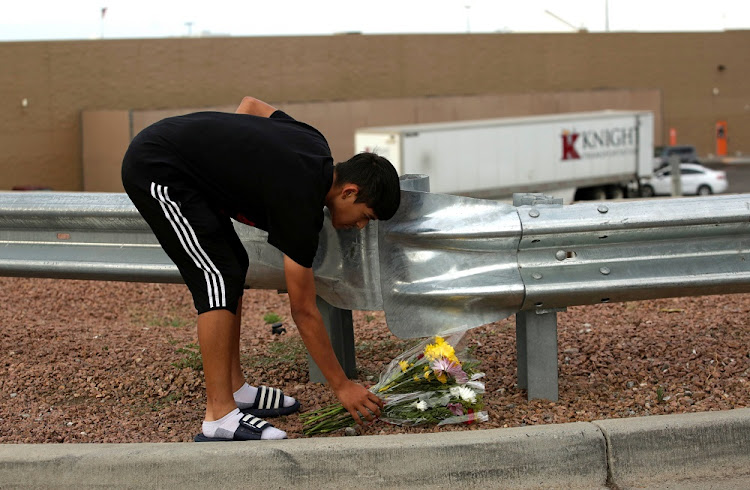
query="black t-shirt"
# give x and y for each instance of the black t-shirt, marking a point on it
(271, 173)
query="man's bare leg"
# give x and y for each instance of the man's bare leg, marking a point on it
(246, 397)
(216, 335)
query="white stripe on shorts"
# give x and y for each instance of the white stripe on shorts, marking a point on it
(186, 234)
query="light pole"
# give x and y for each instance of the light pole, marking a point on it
(606, 15)
(101, 22)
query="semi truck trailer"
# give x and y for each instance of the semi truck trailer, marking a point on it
(576, 156)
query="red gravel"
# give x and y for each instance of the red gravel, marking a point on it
(87, 361)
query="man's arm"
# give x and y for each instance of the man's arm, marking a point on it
(300, 284)
(255, 107)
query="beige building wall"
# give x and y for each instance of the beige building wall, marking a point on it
(42, 141)
(106, 135)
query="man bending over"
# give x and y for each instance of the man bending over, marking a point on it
(190, 175)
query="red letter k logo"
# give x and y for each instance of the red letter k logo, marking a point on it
(569, 151)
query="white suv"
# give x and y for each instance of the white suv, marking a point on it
(696, 179)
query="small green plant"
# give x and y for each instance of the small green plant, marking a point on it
(174, 322)
(172, 318)
(659, 394)
(369, 318)
(386, 344)
(290, 351)
(164, 401)
(287, 351)
(271, 317)
(192, 359)
(363, 346)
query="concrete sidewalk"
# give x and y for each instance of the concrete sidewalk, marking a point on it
(658, 451)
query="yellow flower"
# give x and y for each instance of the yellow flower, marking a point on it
(427, 375)
(404, 366)
(440, 349)
(416, 378)
(442, 378)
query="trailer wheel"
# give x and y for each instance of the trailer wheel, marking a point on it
(647, 191)
(615, 192)
(598, 194)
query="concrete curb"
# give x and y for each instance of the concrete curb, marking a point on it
(699, 446)
(628, 452)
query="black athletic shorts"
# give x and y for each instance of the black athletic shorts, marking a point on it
(198, 238)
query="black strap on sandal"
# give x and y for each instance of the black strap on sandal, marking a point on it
(253, 423)
(269, 398)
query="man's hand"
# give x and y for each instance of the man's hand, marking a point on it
(359, 401)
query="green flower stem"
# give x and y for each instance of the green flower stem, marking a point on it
(327, 419)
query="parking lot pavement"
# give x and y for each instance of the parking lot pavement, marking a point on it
(738, 176)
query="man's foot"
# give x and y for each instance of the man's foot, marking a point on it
(236, 426)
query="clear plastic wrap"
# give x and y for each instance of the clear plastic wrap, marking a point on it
(458, 405)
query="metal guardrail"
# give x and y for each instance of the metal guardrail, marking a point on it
(455, 262)
(450, 263)
(442, 263)
(79, 236)
(101, 236)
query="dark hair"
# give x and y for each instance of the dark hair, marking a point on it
(377, 180)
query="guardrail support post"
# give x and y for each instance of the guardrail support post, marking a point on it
(536, 346)
(340, 329)
(536, 331)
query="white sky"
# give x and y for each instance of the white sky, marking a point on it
(22, 20)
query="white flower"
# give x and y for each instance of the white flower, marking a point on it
(421, 405)
(465, 393)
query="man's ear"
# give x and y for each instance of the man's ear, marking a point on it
(349, 190)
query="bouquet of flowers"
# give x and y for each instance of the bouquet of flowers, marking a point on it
(428, 384)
